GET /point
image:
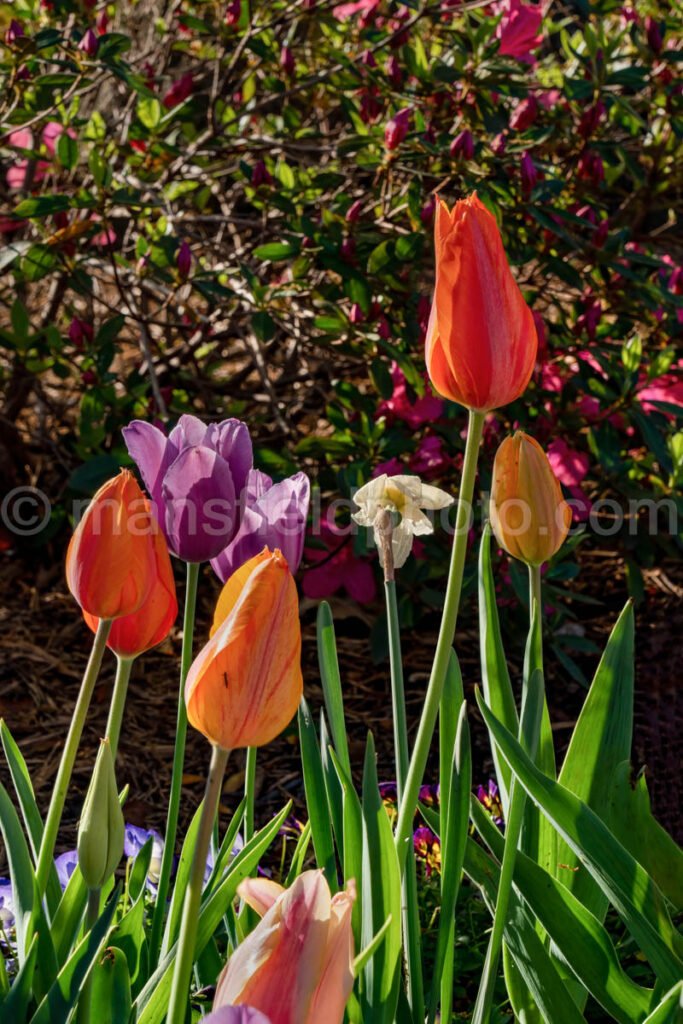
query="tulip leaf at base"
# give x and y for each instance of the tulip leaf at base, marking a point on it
(111, 995)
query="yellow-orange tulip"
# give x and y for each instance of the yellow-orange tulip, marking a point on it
(110, 564)
(529, 516)
(133, 634)
(245, 685)
(296, 967)
(481, 340)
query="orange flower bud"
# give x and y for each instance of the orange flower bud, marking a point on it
(245, 685)
(481, 339)
(529, 516)
(110, 564)
(134, 634)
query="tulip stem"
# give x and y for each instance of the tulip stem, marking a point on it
(410, 906)
(249, 793)
(534, 591)
(118, 702)
(178, 764)
(444, 643)
(73, 739)
(92, 912)
(184, 958)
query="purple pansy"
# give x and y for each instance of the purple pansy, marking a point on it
(195, 478)
(134, 840)
(273, 516)
(66, 864)
(6, 905)
(489, 797)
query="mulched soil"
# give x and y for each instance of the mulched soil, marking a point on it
(44, 647)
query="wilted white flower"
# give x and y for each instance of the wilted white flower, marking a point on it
(405, 495)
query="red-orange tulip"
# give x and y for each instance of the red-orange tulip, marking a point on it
(110, 564)
(481, 339)
(245, 685)
(134, 634)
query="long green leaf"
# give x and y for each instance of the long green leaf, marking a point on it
(335, 797)
(670, 1010)
(633, 824)
(381, 899)
(530, 955)
(151, 1005)
(110, 1000)
(180, 884)
(331, 683)
(601, 740)
(580, 938)
(628, 886)
(14, 1006)
(316, 796)
(58, 1005)
(353, 845)
(67, 920)
(494, 670)
(21, 874)
(33, 822)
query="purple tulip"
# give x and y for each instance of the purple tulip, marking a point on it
(195, 478)
(274, 516)
(66, 864)
(236, 1015)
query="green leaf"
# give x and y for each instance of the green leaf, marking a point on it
(335, 796)
(38, 261)
(58, 1005)
(110, 1001)
(66, 923)
(150, 112)
(530, 955)
(180, 885)
(381, 899)
(151, 1005)
(331, 683)
(353, 844)
(21, 324)
(316, 795)
(67, 150)
(600, 742)
(29, 809)
(14, 1006)
(633, 893)
(670, 1010)
(494, 670)
(42, 206)
(275, 251)
(632, 822)
(21, 872)
(582, 940)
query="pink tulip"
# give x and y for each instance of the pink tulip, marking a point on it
(296, 967)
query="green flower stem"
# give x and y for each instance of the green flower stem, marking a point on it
(430, 711)
(178, 763)
(410, 907)
(513, 828)
(534, 591)
(118, 702)
(184, 960)
(92, 912)
(54, 814)
(250, 793)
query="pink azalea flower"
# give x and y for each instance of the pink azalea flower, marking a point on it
(51, 133)
(342, 571)
(519, 29)
(17, 175)
(430, 459)
(667, 388)
(22, 138)
(569, 466)
(392, 467)
(414, 414)
(343, 12)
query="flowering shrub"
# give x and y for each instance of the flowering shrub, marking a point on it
(234, 201)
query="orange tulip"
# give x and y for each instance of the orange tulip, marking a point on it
(110, 564)
(245, 685)
(296, 967)
(481, 339)
(134, 634)
(529, 516)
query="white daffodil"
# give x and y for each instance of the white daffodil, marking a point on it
(405, 495)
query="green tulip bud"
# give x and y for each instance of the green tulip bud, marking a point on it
(101, 828)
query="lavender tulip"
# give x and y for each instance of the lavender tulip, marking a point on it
(274, 516)
(195, 477)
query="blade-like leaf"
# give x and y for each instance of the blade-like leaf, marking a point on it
(494, 670)
(579, 937)
(628, 886)
(316, 796)
(353, 844)
(600, 742)
(670, 1010)
(58, 1005)
(14, 1006)
(110, 1000)
(381, 899)
(331, 683)
(335, 799)
(67, 920)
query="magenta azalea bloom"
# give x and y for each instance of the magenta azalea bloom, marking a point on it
(518, 29)
(341, 570)
(195, 478)
(274, 516)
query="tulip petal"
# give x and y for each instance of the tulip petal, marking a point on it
(259, 893)
(153, 453)
(189, 431)
(233, 442)
(199, 498)
(236, 1015)
(285, 509)
(252, 537)
(231, 592)
(336, 983)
